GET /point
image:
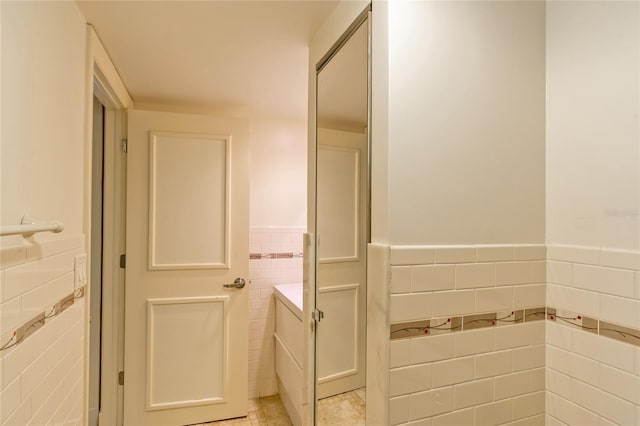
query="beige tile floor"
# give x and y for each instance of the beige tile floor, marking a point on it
(346, 409)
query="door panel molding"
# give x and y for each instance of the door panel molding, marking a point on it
(338, 191)
(336, 325)
(201, 342)
(195, 169)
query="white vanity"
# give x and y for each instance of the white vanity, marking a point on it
(288, 340)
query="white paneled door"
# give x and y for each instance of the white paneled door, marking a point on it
(342, 234)
(186, 333)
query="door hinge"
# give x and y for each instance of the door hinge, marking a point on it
(123, 145)
(121, 378)
(317, 315)
(123, 261)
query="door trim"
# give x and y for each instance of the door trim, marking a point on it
(103, 81)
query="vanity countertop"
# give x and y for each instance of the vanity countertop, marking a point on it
(291, 296)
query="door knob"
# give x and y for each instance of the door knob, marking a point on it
(238, 283)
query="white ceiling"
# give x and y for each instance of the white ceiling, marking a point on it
(249, 57)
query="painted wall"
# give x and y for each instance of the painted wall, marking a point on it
(278, 172)
(593, 211)
(42, 162)
(43, 76)
(593, 155)
(466, 122)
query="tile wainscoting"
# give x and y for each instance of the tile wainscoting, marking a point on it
(274, 259)
(42, 377)
(593, 378)
(484, 375)
(581, 366)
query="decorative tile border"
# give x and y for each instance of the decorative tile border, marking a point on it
(26, 329)
(437, 326)
(592, 325)
(444, 325)
(288, 255)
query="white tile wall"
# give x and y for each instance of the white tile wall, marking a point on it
(264, 274)
(486, 376)
(42, 378)
(465, 280)
(540, 373)
(592, 379)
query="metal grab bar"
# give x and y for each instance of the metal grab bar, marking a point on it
(29, 226)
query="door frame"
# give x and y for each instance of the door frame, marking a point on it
(103, 81)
